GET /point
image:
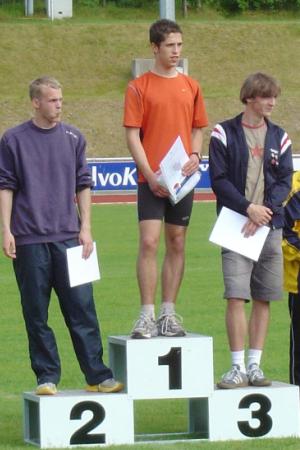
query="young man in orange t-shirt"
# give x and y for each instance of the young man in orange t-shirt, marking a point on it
(161, 105)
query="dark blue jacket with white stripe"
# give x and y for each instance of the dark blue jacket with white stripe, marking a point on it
(228, 162)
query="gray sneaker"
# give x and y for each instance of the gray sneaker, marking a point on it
(107, 386)
(256, 376)
(144, 328)
(170, 325)
(233, 379)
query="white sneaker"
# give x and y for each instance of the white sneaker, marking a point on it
(144, 328)
(256, 376)
(233, 379)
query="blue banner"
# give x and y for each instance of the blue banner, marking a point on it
(118, 174)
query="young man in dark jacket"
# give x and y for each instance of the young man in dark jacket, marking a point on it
(42, 169)
(250, 163)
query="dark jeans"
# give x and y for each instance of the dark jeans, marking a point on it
(294, 307)
(38, 269)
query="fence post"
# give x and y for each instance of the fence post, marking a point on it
(167, 9)
(29, 8)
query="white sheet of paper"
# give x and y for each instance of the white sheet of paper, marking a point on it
(171, 172)
(81, 270)
(227, 233)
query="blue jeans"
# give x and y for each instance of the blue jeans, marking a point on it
(38, 269)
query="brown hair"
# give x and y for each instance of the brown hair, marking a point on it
(259, 85)
(160, 29)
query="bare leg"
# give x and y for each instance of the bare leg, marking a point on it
(147, 270)
(236, 324)
(173, 265)
(258, 324)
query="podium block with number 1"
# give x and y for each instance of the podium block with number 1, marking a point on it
(163, 367)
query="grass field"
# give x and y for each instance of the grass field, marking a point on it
(200, 303)
(92, 56)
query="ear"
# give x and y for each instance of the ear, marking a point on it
(35, 103)
(154, 47)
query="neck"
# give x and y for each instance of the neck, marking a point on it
(168, 72)
(253, 120)
(45, 125)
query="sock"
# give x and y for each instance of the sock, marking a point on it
(167, 308)
(254, 357)
(239, 359)
(148, 310)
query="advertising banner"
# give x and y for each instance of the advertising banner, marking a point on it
(120, 174)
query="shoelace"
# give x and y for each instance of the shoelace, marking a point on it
(143, 319)
(256, 373)
(172, 318)
(233, 374)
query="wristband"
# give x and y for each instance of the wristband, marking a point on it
(197, 154)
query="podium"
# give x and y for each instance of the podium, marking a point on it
(161, 368)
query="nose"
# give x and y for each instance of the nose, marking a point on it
(272, 101)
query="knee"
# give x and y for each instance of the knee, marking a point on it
(235, 304)
(261, 306)
(176, 244)
(148, 245)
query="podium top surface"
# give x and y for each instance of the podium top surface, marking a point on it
(124, 339)
(70, 393)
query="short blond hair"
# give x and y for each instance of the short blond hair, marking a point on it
(259, 85)
(36, 85)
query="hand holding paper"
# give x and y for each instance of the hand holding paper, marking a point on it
(82, 270)
(171, 175)
(227, 232)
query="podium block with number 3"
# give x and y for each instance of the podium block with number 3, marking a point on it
(252, 412)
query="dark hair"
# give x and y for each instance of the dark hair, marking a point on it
(160, 29)
(35, 85)
(259, 85)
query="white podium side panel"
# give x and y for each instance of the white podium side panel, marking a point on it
(78, 418)
(163, 367)
(252, 412)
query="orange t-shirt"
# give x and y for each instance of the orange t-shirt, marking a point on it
(164, 108)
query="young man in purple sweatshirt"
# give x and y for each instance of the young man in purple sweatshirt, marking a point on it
(45, 208)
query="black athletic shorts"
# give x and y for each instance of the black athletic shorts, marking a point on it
(151, 207)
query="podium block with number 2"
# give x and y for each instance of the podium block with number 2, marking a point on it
(78, 418)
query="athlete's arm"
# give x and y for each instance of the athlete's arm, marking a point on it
(85, 234)
(137, 151)
(193, 164)
(8, 240)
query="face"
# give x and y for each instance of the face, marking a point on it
(261, 106)
(168, 52)
(48, 107)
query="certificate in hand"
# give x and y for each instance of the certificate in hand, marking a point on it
(81, 270)
(227, 232)
(171, 175)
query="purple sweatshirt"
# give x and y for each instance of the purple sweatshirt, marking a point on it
(44, 168)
